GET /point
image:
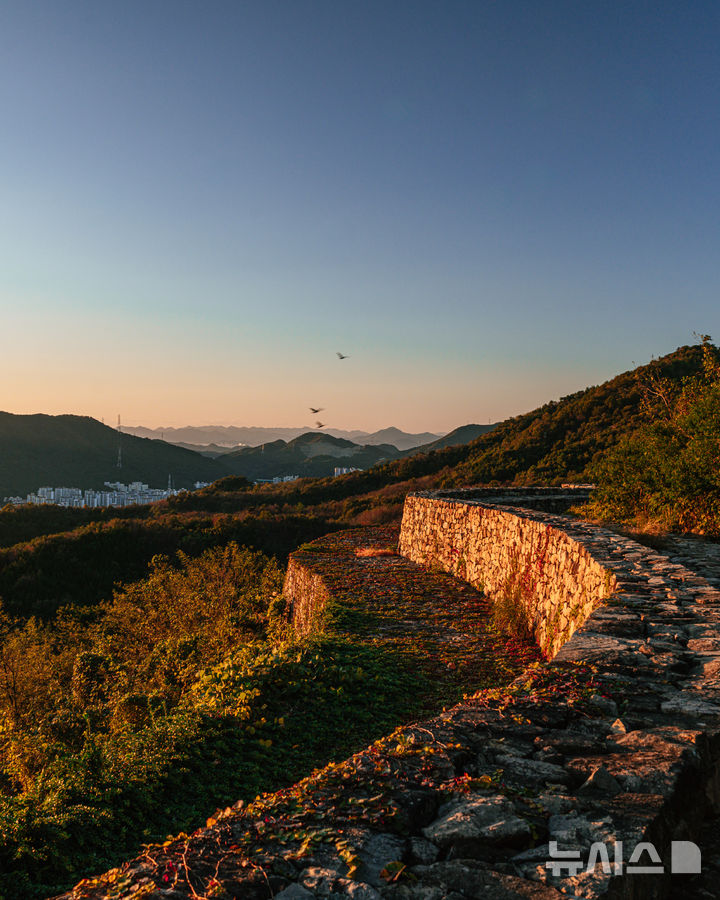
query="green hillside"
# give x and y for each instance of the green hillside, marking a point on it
(462, 435)
(78, 451)
(309, 455)
(559, 441)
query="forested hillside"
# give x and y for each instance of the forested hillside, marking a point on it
(77, 451)
(309, 455)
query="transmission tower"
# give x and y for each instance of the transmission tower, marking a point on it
(119, 430)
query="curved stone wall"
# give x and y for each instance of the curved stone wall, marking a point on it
(556, 573)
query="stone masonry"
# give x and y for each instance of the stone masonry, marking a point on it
(523, 559)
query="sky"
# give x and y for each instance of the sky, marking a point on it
(484, 205)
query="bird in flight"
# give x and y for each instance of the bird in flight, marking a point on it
(320, 424)
(316, 411)
(340, 355)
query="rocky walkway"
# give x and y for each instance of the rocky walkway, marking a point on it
(703, 557)
(580, 770)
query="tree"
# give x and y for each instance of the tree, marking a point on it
(668, 471)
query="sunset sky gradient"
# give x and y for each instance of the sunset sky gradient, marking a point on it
(485, 205)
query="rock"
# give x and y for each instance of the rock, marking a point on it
(566, 829)
(707, 665)
(507, 747)
(531, 771)
(613, 621)
(344, 887)
(534, 855)
(704, 644)
(603, 705)
(294, 892)
(555, 802)
(578, 832)
(600, 782)
(472, 828)
(318, 880)
(565, 741)
(423, 851)
(462, 819)
(375, 853)
(414, 892)
(512, 831)
(469, 879)
(589, 647)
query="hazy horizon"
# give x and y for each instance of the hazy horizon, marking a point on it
(269, 427)
(484, 206)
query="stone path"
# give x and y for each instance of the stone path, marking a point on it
(699, 555)
(702, 557)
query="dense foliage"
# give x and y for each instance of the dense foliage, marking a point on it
(91, 707)
(83, 566)
(561, 440)
(181, 694)
(667, 473)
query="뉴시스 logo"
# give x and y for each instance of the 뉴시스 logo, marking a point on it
(685, 859)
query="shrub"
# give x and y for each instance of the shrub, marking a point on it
(668, 471)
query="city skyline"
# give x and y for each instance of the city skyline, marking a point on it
(484, 206)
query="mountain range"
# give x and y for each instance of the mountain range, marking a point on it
(232, 436)
(310, 454)
(78, 451)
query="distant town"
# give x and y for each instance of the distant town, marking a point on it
(119, 494)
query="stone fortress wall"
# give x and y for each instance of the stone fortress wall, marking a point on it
(640, 762)
(557, 577)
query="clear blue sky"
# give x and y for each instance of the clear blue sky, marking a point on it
(486, 205)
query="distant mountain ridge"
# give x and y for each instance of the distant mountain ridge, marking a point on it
(555, 442)
(200, 437)
(308, 455)
(462, 435)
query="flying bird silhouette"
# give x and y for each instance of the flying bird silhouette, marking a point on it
(316, 411)
(320, 424)
(340, 355)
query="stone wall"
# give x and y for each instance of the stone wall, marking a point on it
(516, 556)
(305, 592)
